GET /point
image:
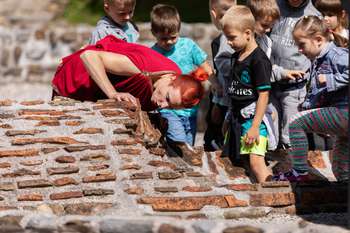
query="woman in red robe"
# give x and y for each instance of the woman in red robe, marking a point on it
(115, 69)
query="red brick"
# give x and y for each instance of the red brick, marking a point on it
(196, 189)
(275, 184)
(48, 123)
(128, 123)
(6, 102)
(242, 187)
(157, 151)
(167, 228)
(73, 123)
(169, 175)
(7, 115)
(166, 189)
(84, 208)
(272, 199)
(131, 166)
(99, 178)
(183, 203)
(232, 171)
(40, 118)
(40, 112)
(114, 105)
(40, 183)
(89, 131)
(31, 162)
(11, 133)
(19, 153)
(98, 167)
(65, 159)
(62, 170)
(66, 195)
(30, 197)
(98, 192)
(315, 159)
(247, 229)
(232, 201)
(5, 165)
(97, 156)
(122, 131)
(82, 148)
(124, 142)
(194, 174)
(130, 151)
(52, 140)
(142, 175)
(48, 150)
(134, 190)
(65, 181)
(113, 113)
(7, 186)
(32, 102)
(160, 163)
(6, 126)
(21, 172)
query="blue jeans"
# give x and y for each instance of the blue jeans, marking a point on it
(180, 128)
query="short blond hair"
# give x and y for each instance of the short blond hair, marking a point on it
(221, 5)
(264, 8)
(239, 17)
(125, 2)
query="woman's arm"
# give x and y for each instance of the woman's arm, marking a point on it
(98, 63)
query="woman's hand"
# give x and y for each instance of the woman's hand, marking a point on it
(252, 136)
(322, 79)
(124, 96)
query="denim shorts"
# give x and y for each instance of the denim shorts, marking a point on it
(180, 128)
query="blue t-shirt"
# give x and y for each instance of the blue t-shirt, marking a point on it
(188, 56)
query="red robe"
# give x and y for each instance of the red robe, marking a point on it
(72, 79)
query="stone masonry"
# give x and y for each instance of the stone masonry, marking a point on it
(66, 158)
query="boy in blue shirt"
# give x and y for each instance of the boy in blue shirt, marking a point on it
(116, 22)
(165, 26)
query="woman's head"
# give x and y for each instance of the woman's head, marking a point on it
(179, 91)
(310, 34)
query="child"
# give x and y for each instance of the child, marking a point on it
(117, 21)
(336, 20)
(165, 26)
(249, 90)
(326, 105)
(266, 13)
(289, 67)
(219, 101)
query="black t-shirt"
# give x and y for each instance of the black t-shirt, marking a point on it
(248, 77)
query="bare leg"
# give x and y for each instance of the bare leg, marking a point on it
(259, 168)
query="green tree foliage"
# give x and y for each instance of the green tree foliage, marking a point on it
(89, 11)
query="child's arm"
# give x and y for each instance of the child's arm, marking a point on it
(253, 133)
(340, 76)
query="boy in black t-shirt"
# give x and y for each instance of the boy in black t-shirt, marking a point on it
(248, 87)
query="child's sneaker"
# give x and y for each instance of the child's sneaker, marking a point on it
(292, 176)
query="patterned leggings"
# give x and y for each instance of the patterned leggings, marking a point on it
(331, 120)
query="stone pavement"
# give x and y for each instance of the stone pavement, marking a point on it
(102, 160)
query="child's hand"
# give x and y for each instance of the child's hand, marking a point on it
(322, 79)
(294, 74)
(252, 136)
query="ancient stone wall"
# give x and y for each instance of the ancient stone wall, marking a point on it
(31, 52)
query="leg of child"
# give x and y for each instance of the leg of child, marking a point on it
(259, 168)
(290, 102)
(340, 163)
(323, 120)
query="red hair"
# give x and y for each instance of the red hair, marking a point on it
(191, 87)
